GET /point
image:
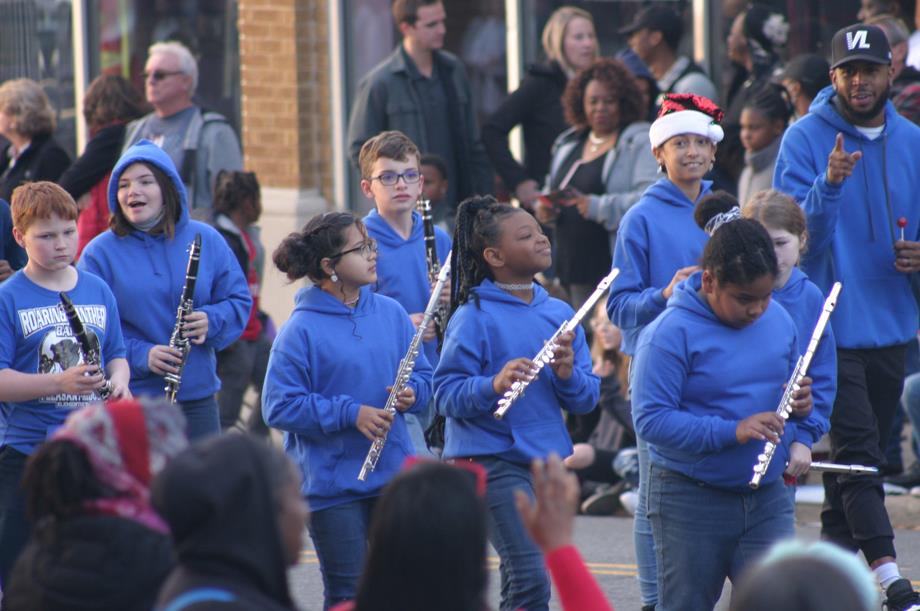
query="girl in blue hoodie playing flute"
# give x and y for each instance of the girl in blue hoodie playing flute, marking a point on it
(709, 375)
(658, 245)
(502, 318)
(143, 258)
(328, 379)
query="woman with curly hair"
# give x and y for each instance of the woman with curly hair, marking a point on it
(27, 121)
(600, 167)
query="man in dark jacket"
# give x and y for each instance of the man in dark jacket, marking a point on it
(423, 92)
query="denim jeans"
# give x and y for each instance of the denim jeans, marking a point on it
(339, 535)
(705, 534)
(202, 418)
(642, 534)
(14, 528)
(524, 581)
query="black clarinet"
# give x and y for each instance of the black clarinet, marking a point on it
(178, 340)
(92, 352)
(434, 265)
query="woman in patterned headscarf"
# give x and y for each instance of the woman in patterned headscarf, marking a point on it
(96, 541)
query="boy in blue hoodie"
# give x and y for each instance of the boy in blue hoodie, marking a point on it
(392, 178)
(143, 258)
(705, 402)
(328, 379)
(658, 245)
(502, 320)
(850, 164)
(43, 374)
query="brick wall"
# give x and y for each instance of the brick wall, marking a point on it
(284, 71)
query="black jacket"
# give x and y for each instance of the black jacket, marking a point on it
(537, 107)
(43, 160)
(100, 156)
(220, 507)
(90, 562)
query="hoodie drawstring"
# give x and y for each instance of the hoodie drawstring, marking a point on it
(891, 219)
(868, 194)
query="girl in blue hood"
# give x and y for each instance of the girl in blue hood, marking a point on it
(501, 319)
(328, 379)
(143, 258)
(708, 376)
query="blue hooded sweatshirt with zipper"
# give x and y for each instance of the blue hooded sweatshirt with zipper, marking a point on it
(147, 273)
(804, 303)
(480, 339)
(695, 378)
(852, 226)
(657, 237)
(402, 266)
(327, 361)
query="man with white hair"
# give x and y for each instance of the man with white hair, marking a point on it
(200, 143)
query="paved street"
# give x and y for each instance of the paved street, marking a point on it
(606, 544)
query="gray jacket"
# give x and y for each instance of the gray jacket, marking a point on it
(210, 146)
(629, 169)
(757, 174)
(386, 100)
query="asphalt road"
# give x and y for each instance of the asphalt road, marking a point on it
(606, 545)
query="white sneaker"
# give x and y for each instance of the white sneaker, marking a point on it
(630, 500)
(892, 490)
(915, 491)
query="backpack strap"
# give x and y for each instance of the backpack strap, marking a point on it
(200, 595)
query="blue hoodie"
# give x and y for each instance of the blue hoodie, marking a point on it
(402, 266)
(804, 302)
(695, 378)
(35, 337)
(147, 272)
(480, 339)
(327, 361)
(657, 237)
(852, 226)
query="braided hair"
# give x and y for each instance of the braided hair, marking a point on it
(773, 102)
(301, 254)
(740, 251)
(478, 227)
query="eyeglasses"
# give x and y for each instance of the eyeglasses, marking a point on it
(388, 179)
(365, 249)
(159, 75)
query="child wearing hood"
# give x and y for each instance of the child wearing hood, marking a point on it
(658, 245)
(143, 258)
(328, 380)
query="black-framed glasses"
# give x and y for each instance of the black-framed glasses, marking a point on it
(388, 179)
(159, 75)
(365, 249)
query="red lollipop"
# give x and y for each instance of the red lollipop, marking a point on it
(902, 223)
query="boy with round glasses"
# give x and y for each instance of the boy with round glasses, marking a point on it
(392, 178)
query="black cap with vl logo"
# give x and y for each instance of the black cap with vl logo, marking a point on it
(860, 42)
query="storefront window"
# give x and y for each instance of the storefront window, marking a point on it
(35, 43)
(120, 31)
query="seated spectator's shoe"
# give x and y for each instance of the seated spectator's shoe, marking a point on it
(626, 465)
(604, 502)
(908, 479)
(915, 491)
(648, 608)
(630, 500)
(901, 596)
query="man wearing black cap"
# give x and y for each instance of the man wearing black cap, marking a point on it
(803, 77)
(849, 164)
(654, 36)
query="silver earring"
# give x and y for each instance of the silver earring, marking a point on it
(333, 277)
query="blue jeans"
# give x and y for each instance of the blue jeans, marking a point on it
(705, 534)
(14, 528)
(524, 581)
(642, 534)
(339, 536)
(202, 417)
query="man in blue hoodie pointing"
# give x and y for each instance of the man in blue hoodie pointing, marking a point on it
(849, 165)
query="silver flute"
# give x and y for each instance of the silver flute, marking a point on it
(800, 371)
(831, 467)
(406, 365)
(548, 351)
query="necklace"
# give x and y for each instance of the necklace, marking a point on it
(595, 142)
(353, 301)
(510, 286)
